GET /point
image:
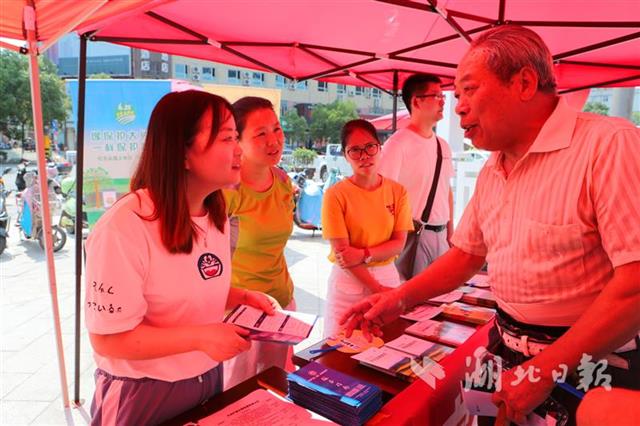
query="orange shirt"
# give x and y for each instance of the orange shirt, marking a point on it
(366, 217)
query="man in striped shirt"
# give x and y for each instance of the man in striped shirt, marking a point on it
(555, 214)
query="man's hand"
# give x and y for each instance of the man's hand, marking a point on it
(348, 257)
(516, 401)
(373, 312)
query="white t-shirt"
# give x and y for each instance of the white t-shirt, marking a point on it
(131, 278)
(410, 159)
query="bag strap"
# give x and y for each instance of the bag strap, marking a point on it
(434, 185)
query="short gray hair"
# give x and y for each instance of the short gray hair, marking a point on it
(509, 48)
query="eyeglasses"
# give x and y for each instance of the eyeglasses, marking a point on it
(356, 153)
(436, 96)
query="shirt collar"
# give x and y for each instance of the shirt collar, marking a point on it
(557, 130)
(555, 134)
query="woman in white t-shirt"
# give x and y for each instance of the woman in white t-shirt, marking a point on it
(159, 269)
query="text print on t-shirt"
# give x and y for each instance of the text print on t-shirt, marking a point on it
(209, 266)
(392, 209)
(104, 290)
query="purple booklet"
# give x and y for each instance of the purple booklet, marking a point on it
(348, 390)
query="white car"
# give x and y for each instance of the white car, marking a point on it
(333, 159)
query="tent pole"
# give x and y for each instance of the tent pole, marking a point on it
(394, 120)
(29, 20)
(82, 80)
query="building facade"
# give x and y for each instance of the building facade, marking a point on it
(301, 95)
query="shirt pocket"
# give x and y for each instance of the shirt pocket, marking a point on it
(552, 256)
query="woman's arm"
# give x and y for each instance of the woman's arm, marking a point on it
(218, 340)
(358, 270)
(352, 256)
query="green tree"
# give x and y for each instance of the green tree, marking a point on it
(295, 127)
(304, 156)
(327, 120)
(15, 102)
(635, 117)
(95, 180)
(596, 107)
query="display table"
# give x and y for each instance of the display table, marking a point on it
(273, 378)
(405, 403)
(410, 403)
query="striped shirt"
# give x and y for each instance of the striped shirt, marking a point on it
(554, 229)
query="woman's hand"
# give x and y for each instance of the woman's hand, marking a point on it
(223, 341)
(348, 256)
(260, 301)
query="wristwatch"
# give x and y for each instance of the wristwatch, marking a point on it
(367, 256)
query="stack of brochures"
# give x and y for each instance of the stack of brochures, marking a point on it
(450, 297)
(334, 395)
(422, 312)
(445, 332)
(286, 327)
(467, 313)
(478, 296)
(403, 356)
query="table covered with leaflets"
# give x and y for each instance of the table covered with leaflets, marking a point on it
(412, 376)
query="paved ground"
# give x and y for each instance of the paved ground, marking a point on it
(30, 391)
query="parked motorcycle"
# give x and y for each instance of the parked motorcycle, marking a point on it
(30, 212)
(4, 216)
(68, 214)
(308, 199)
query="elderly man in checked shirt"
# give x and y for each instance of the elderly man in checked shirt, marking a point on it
(555, 214)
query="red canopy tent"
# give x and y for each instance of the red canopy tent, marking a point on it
(378, 43)
(385, 122)
(368, 42)
(374, 43)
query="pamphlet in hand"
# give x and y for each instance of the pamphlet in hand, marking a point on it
(286, 327)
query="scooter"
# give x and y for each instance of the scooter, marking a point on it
(30, 213)
(308, 199)
(21, 185)
(68, 215)
(5, 219)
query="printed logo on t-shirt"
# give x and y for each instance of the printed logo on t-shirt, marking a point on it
(209, 266)
(392, 209)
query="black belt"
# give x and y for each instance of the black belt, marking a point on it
(542, 333)
(435, 228)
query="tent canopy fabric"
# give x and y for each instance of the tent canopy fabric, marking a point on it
(385, 122)
(55, 18)
(364, 42)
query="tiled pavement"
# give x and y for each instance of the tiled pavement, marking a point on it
(30, 384)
